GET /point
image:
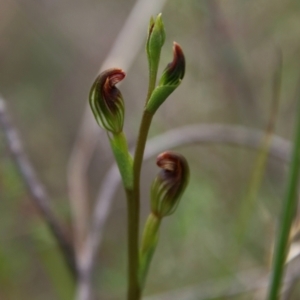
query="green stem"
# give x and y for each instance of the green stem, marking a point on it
(134, 291)
(133, 199)
(140, 148)
(123, 158)
(288, 212)
(148, 245)
(124, 161)
(152, 82)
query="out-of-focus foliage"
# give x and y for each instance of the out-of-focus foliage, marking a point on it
(50, 52)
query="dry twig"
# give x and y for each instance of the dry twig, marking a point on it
(35, 187)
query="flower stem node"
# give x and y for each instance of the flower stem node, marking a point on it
(106, 100)
(170, 183)
(169, 81)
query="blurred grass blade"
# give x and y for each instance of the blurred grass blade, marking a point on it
(248, 205)
(288, 213)
(51, 260)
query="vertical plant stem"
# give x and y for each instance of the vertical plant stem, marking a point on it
(140, 148)
(148, 245)
(133, 199)
(152, 81)
(123, 158)
(288, 212)
(133, 246)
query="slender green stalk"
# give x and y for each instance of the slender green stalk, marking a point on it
(288, 212)
(134, 291)
(152, 82)
(124, 161)
(133, 199)
(148, 245)
(133, 207)
(140, 148)
(123, 158)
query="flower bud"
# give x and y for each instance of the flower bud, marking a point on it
(155, 41)
(106, 100)
(170, 183)
(170, 80)
(174, 72)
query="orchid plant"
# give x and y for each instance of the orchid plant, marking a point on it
(108, 107)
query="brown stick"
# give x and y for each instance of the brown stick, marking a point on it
(37, 191)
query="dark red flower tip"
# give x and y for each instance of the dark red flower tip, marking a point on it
(175, 70)
(170, 183)
(106, 100)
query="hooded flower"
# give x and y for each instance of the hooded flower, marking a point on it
(170, 183)
(106, 100)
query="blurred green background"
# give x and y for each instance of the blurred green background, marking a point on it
(50, 52)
